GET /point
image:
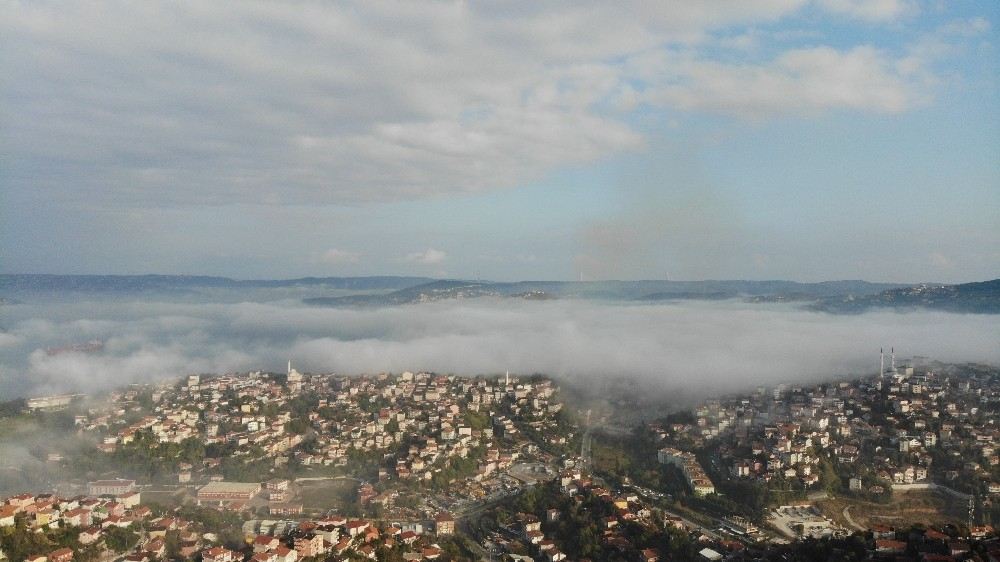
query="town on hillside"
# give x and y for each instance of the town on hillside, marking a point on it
(283, 467)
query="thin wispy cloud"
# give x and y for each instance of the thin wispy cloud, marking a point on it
(799, 81)
(871, 10)
(430, 256)
(335, 256)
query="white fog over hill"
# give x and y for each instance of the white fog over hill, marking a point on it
(697, 345)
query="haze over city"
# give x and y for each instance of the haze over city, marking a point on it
(458, 281)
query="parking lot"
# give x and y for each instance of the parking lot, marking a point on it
(804, 520)
(532, 473)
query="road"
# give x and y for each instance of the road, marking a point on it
(586, 461)
(850, 521)
(323, 478)
(479, 507)
(655, 497)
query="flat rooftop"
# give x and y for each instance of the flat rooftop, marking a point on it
(229, 488)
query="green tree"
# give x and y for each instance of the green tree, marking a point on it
(120, 539)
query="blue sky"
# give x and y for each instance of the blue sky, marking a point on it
(806, 140)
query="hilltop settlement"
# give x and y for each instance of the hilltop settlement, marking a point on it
(289, 467)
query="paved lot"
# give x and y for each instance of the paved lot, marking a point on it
(788, 518)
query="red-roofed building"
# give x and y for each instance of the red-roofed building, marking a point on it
(356, 527)
(408, 537)
(286, 554)
(264, 557)
(444, 524)
(7, 513)
(265, 543)
(90, 535)
(21, 501)
(218, 554)
(886, 546)
(61, 555)
(156, 548)
(78, 517)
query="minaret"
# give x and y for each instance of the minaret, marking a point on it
(881, 362)
(289, 367)
(893, 351)
(507, 379)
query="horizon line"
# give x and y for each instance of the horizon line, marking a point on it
(476, 280)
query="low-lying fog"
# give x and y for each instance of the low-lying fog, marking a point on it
(695, 345)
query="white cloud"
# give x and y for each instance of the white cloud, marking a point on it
(9, 340)
(799, 81)
(335, 256)
(747, 41)
(430, 256)
(970, 27)
(940, 261)
(870, 10)
(194, 103)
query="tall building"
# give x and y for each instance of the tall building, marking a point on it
(444, 524)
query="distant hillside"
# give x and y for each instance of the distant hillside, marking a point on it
(842, 297)
(769, 291)
(42, 283)
(978, 298)
(427, 292)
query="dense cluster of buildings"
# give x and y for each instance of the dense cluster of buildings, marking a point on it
(462, 434)
(439, 417)
(623, 524)
(221, 410)
(418, 420)
(904, 426)
(91, 515)
(340, 538)
(331, 536)
(458, 440)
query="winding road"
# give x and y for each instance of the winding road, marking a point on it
(850, 521)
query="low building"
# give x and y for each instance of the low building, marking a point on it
(61, 555)
(221, 492)
(284, 508)
(118, 487)
(219, 554)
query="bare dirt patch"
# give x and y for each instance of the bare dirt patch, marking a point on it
(326, 494)
(905, 509)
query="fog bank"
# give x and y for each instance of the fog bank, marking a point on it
(697, 346)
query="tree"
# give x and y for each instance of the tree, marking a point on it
(173, 544)
(297, 426)
(120, 539)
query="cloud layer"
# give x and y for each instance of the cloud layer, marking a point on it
(694, 346)
(192, 102)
